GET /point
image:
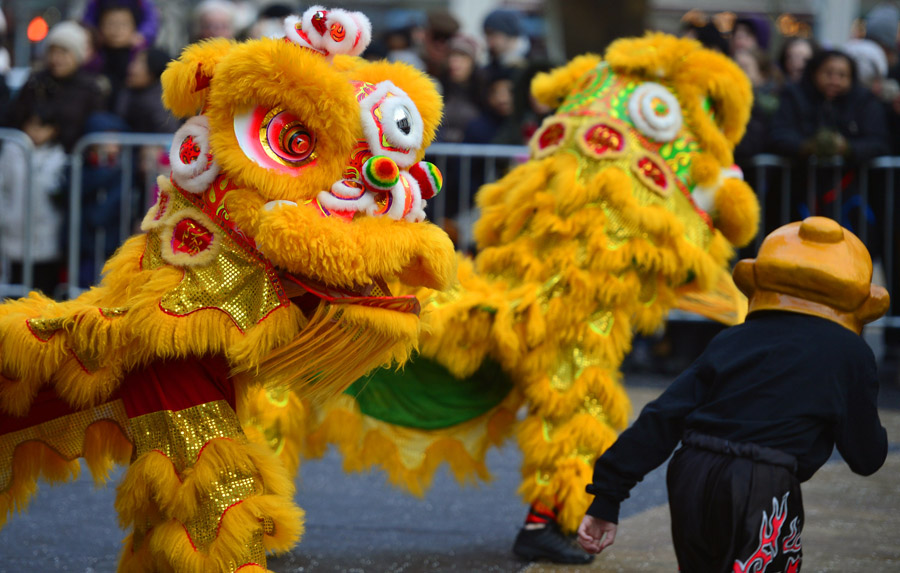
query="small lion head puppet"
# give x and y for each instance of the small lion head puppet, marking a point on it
(297, 193)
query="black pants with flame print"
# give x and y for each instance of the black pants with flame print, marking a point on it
(735, 508)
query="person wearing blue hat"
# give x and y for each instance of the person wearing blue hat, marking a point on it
(507, 45)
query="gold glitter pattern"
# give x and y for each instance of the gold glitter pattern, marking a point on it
(64, 435)
(569, 367)
(44, 328)
(181, 436)
(235, 282)
(114, 312)
(152, 258)
(231, 488)
(601, 322)
(593, 406)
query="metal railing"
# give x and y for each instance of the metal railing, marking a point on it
(128, 213)
(456, 162)
(16, 137)
(465, 166)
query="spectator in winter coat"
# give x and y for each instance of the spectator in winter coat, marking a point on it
(795, 54)
(144, 12)
(62, 85)
(461, 84)
(140, 103)
(829, 113)
(49, 162)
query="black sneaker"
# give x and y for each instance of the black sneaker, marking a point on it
(550, 543)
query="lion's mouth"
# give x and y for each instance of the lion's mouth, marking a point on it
(307, 294)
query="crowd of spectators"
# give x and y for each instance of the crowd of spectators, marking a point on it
(100, 70)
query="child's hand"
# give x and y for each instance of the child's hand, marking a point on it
(595, 535)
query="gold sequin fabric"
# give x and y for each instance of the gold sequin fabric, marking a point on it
(182, 436)
(64, 435)
(237, 281)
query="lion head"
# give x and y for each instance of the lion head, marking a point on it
(307, 161)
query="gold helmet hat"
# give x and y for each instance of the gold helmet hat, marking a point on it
(814, 267)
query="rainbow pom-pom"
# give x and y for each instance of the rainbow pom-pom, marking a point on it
(380, 173)
(429, 178)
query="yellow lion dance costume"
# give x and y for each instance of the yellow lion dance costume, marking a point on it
(628, 207)
(297, 191)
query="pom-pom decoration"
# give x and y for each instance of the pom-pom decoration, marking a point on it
(655, 111)
(380, 173)
(330, 32)
(428, 177)
(391, 123)
(275, 139)
(193, 166)
(736, 211)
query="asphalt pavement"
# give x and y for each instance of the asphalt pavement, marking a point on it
(358, 523)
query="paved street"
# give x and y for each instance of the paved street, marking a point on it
(357, 523)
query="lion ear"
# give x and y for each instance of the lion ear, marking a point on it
(550, 88)
(186, 80)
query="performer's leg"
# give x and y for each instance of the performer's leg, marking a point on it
(199, 497)
(733, 514)
(702, 533)
(542, 538)
(772, 524)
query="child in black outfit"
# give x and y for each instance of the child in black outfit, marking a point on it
(761, 409)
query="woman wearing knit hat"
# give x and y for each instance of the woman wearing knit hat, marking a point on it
(751, 32)
(62, 84)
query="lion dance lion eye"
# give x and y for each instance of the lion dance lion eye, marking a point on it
(295, 143)
(275, 138)
(287, 138)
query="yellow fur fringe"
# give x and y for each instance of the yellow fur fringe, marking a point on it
(104, 445)
(154, 493)
(410, 457)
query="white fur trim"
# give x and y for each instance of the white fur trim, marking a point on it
(733, 172)
(357, 28)
(640, 108)
(197, 176)
(272, 205)
(365, 33)
(364, 202)
(417, 210)
(704, 197)
(290, 32)
(411, 142)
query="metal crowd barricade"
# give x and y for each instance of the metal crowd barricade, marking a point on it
(822, 190)
(7, 288)
(128, 212)
(460, 181)
(770, 176)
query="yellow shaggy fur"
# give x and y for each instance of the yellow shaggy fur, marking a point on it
(214, 277)
(575, 254)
